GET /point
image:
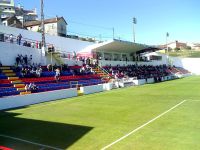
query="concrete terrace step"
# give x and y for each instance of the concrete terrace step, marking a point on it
(19, 85)
(16, 81)
(21, 89)
(5, 68)
(25, 93)
(10, 74)
(13, 78)
(7, 71)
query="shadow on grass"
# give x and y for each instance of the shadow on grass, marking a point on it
(49, 133)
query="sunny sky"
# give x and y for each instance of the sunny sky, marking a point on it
(181, 18)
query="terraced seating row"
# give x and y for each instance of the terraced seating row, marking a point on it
(63, 78)
(182, 70)
(8, 91)
(51, 87)
(52, 74)
(14, 85)
(2, 76)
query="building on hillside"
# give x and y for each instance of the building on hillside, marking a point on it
(177, 45)
(194, 46)
(12, 22)
(8, 9)
(174, 45)
(25, 15)
(54, 26)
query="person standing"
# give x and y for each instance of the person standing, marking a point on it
(19, 38)
(57, 76)
(11, 38)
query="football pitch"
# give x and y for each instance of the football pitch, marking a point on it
(162, 116)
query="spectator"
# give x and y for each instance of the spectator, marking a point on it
(32, 44)
(33, 87)
(11, 38)
(17, 60)
(57, 76)
(49, 66)
(38, 71)
(74, 55)
(23, 72)
(19, 38)
(30, 59)
(25, 59)
(25, 43)
(27, 88)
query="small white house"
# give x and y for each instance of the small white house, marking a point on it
(54, 26)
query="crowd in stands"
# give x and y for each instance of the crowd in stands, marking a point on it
(32, 70)
(139, 72)
(23, 60)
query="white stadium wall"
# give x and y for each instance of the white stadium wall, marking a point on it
(62, 43)
(25, 100)
(9, 52)
(191, 64)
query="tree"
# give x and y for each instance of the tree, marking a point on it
(177, 49)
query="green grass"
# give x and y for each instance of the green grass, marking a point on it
(94, 121)
(185, 53)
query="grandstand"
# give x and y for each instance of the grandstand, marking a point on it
(73, 68)
(111, 64)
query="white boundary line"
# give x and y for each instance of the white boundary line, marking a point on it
(194, 100)
(135, 130)
(38, 144)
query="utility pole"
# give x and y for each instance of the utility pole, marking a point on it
(42, 24)
(134, 22)
(113, 29)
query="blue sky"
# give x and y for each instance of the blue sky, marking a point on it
(181, 18)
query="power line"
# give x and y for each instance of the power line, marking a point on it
(91, 25)
(84, 24)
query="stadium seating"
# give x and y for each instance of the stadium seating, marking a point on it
(15, 84)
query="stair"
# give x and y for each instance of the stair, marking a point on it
(17, 83)
(13, 78)
(25, 93)
(102, 73)
(21, 89)
(4, 68)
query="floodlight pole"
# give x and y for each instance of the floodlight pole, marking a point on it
(42, 24)
(134, 22)
(167, 51)
(43, 48)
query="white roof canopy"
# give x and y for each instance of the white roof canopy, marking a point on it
(115, 46)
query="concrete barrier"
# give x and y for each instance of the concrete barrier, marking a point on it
(107, 86)
(25, 100)
(139, 82)
(150, 80)
(92, 89)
